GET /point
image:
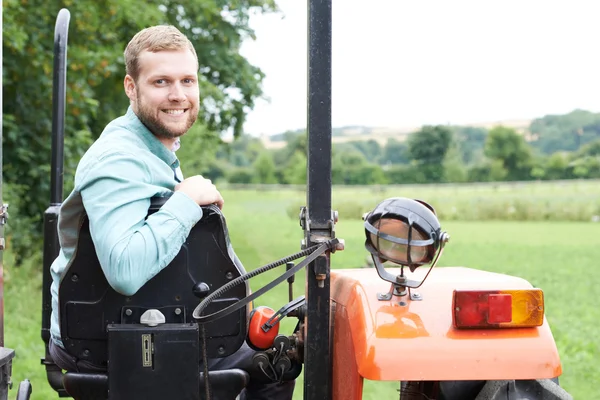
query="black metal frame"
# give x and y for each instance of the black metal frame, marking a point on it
(51, 243)
(318, 218)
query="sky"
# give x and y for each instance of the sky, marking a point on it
(401, 63)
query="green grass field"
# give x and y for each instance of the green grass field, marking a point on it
(559, 257)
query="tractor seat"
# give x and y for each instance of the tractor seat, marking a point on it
(163, 361)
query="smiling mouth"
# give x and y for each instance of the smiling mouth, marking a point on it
(175, 111)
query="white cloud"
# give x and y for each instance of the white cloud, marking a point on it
(408, 63)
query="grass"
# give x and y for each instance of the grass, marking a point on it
(559, 257)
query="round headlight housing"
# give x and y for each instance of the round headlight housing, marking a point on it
(403, 231)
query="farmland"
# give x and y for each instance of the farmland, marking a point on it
(558, 254)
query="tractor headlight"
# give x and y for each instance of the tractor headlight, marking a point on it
(403, 231)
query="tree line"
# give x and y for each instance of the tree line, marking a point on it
(433, 154)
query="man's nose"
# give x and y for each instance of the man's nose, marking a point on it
(177, 93)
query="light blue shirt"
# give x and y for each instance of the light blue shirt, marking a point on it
(114, 182)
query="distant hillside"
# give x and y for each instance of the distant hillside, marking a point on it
(380, 134)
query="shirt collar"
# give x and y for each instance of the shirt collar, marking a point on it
(155, 145)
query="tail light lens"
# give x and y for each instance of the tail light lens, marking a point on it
(498, 308)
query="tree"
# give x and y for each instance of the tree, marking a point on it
(507, 146)
(470, 141)
(395, 152)
(428, 148)
(264, 169)
(454, 166)
(556, 167)
(98, 34)
(294, 171)
(371, 149)
(566, 132)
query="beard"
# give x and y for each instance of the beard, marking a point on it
(148, 117)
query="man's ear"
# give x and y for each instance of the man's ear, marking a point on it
(129, 85)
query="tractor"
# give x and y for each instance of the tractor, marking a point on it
(445, 333)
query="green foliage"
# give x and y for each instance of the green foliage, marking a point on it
(428, 148)
(264, 169)
(586, 167)
(395, 152)
(294, 171)
(197, 151)
(98, 34)
(507, 146)
(556, 166)
(405, 174)
(371, 149)
(451, 154)
(454, 165)
(565, 132)
(488, 171)
(591, 149)
(240, 175)
(470, 141)
(352, 168)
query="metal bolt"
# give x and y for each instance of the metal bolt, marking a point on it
(177, 311)
(416, 295)
(74, 277)
(402, 303)
(128, 312)
(221, 350)
(229, 275)
(86, 353)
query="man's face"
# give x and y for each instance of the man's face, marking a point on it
(165, 96)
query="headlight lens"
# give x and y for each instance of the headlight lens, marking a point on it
(394, 251)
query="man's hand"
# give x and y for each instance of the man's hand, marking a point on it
(201, 190)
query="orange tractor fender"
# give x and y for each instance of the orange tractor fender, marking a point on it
(406, 340)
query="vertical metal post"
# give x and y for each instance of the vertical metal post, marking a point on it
(319, 221)
(2, 245)
(51, 242)
(59, 89)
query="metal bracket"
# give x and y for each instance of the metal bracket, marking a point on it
(415, 296)
(384, 296)
(3, 220)
(3, 214)
(399, 291)
(305, 224)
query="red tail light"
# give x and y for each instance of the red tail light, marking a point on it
(498, 308)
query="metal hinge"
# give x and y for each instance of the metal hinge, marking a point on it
(3, 219)
(3, 214)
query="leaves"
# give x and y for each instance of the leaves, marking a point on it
(98, 34)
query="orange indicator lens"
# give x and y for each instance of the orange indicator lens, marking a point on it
(498, 308)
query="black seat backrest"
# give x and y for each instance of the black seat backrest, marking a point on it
(206, 260)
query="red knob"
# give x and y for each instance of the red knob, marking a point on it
(259, 338)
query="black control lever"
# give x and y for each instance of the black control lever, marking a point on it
(284, 311)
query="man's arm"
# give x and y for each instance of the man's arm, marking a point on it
(132, 248)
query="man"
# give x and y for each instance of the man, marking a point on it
(132, 161)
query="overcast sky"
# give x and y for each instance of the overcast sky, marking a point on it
(401, 63)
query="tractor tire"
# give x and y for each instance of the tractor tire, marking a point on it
(534, 389)
(547, 389)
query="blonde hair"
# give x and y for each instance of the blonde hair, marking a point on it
(154, 39)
